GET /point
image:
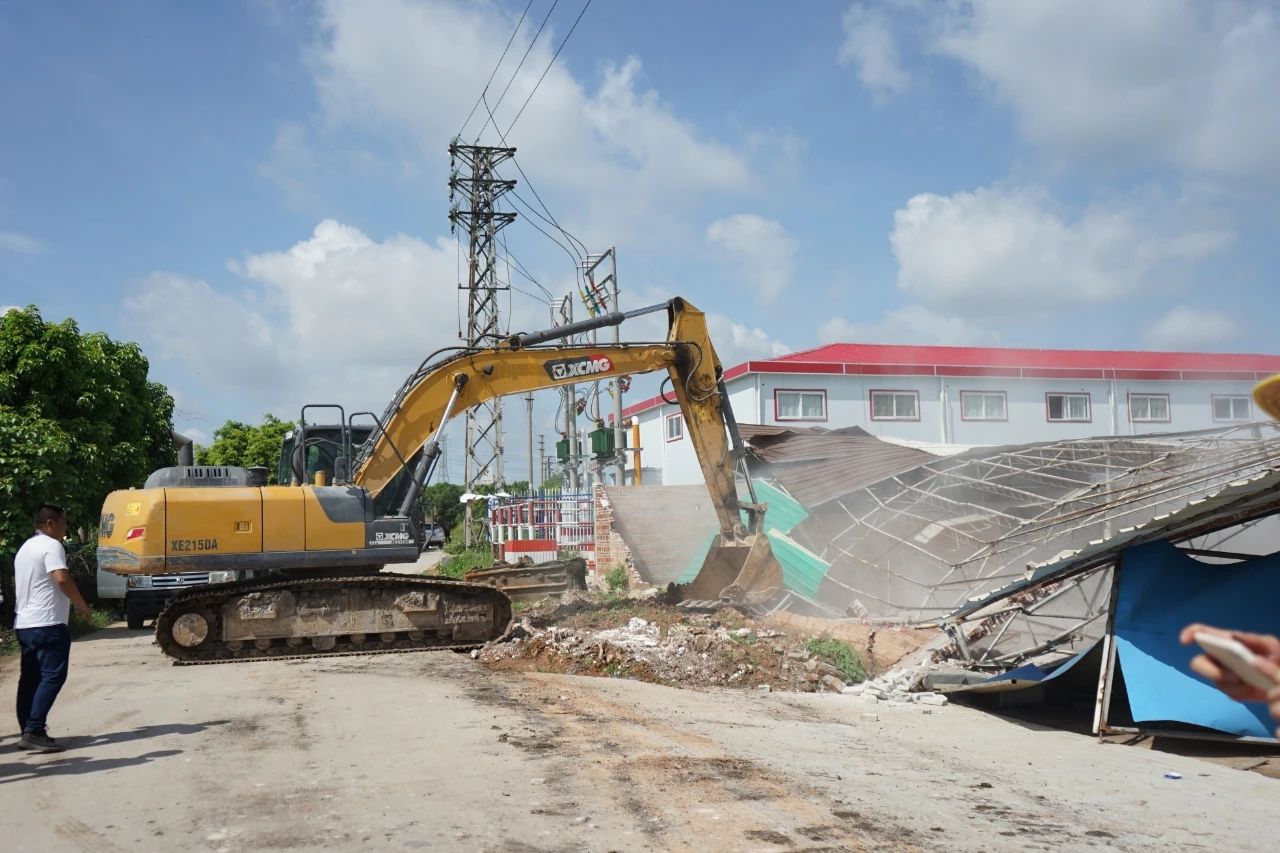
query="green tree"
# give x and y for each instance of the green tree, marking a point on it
(236, 443)
(440, 504)
(78, 418)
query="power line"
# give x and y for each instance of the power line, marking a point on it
(527, 50)
(563, 247)
(520, 268)
(549, 64)
(549, 219)
(494, 73)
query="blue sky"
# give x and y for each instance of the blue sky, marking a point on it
(256, 193)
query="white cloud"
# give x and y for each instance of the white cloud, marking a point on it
(338, 315)
(869, 45)
(996, 252)
(342, 317)
(1189, 82)
(759, 250)
(12, 241)
(911, 324)
(416, 68)
(1186, 328)
(736, 343)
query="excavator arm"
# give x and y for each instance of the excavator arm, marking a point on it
(740, 559)
(514, 368)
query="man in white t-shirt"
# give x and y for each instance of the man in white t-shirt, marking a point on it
(43, 595)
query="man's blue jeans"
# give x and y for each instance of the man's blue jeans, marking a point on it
(45, 655)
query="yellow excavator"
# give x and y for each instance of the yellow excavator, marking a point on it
(315, 549)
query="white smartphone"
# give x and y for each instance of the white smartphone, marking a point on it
(1236, 657)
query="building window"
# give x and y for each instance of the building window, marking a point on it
(800, 405)
(1068, 407)
(895, 405)
(675, 427)
(983, 406)
(1149, 408)
(1231, 408)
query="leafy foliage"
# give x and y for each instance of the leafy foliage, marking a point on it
(616, 579)
(78, 418)
(440, 504)
(236, 443)
(841, 655)
(457, 565)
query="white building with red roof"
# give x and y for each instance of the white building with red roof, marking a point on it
(968, 396)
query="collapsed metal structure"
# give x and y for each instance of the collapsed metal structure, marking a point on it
(958, 540)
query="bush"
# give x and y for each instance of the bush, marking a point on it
(82, 562)
(102, 617)
(617, 579)
(462, 561)
(840, 655)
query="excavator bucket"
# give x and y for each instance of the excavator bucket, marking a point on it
(743, 572)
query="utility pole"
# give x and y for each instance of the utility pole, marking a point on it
(570, 403)
(542, 460)
(476, 213)
(605, 291)
(528, 400)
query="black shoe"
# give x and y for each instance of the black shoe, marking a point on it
(39, 742)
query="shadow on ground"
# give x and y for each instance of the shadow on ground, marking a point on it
(55, 764)
(115, 631)
(74, 765)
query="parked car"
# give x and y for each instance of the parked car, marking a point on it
(432, 536)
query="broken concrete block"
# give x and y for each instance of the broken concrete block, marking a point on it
(764, 688)
(868, 699)
(935, 699)
(852, 690)
(833, 684)
(825, 668)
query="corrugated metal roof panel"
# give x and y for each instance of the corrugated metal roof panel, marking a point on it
(784, 511)
(802, 570)
(1231, 504)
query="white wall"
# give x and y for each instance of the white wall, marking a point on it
(848, 404)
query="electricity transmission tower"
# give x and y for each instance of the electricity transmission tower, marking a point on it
(476, 212)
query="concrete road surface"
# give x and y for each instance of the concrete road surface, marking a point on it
(432, 751)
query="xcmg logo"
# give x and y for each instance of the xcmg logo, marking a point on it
(572, 368)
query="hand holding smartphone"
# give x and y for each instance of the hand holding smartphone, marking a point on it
(1236, 657)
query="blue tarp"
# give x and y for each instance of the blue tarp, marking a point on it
(1161, 590)
(1033, 674)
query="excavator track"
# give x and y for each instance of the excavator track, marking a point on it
(291, 619)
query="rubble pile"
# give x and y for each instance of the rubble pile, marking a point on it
(691, 650)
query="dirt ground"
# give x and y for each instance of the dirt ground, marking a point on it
(438, 751)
